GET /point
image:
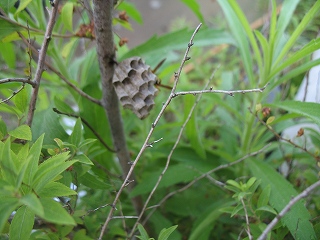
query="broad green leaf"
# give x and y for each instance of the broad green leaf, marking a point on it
(195, 8)
(179, 173)
(56, 189)
(93, 182)
(281, 193)
(32, 201)
(166, 232)
(6, 5)
(131, 10)
(22, 224)
(83, 159)
(66, 50)
(7, 206)
(192, 129)
(143, 232)
(55, 213)
(21, 100)
(53, 167)
(306, 109)
(7, 166)
(67, 15)
(75, 137)
(3, 129)
(34, 155)
(6, 28)
(207, 221)
(48, 122)
(8, 55)
(264, 197)
(61, 105)
(21, 132)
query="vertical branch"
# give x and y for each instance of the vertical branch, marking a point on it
(41, 60)
(102, 15)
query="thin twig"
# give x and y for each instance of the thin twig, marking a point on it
(169, 158)
(231, 93)
(203, 176)
(13, 94)
(247, 219)
(41, 60)
(22, 80)
(286, 209)
(88, 125)
(146, 142)
(316, 157)
(61, 76)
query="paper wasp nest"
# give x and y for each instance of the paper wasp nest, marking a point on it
(134, 82)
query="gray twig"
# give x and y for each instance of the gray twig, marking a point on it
(168, 159)
(41, 60)
(286, 209)
(22, 80)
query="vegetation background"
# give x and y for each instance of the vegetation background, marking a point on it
(211, 168)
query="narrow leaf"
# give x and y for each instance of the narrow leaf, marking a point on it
(22, 224)
(32, 201)
(165, 233)
(56, 189)
(55, 213)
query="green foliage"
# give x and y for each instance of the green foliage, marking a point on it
(63, 173)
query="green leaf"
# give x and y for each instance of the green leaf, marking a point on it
(22, 5)
(34, 155)
(281, 193)
(267, 209)
(6, 28)
(143, 232)
(83, 159)
(306, 109)
(236, 25)
(194, 6)
(264, 197)
(7, 206)
(21, 100)
(50, 169)
(7, 166)
(56, 189)
(22, 132)
(76, 134)
(48, 122)
(192, 129)
(9, 56)
(3, 129)
(6, 5)
(32, 201)
(22, 224)
(166, 232)
(55, 213)
(67, 14)
(93, 182)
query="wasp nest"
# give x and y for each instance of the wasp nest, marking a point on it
(134, 84)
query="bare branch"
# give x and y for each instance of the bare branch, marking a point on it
(203, 176)
(22, 80)
(13, 94)
(286, 209)
(247, 219)
(146, 142)
(41, 60)
(231, 93)
(168, 158)
(315, 156)
(62, 77)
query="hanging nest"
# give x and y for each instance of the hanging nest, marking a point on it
(134, 83)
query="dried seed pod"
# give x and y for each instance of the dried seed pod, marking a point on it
(134, 82)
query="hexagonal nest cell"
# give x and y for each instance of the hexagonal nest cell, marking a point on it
(134, 82)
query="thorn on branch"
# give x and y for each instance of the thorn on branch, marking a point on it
(128, 182)
(155, 141)
(190, 44)
(188, 58)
